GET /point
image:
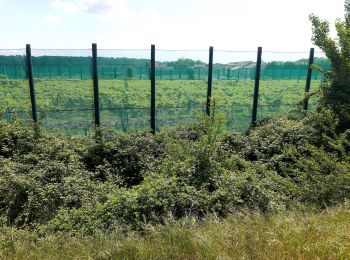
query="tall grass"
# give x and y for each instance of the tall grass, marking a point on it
(249, 235)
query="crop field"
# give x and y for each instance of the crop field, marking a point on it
(67, 105)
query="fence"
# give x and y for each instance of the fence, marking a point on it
(57, 71)
(75, 90)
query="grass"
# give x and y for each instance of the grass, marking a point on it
(249, 235)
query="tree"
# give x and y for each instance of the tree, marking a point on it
(335, 88)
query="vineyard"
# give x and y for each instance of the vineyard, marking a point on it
(67, 105)
(174, 154)
(65, 88)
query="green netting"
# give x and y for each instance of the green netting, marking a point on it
(282, 84)
(124, 88)
(64, 91)
(14, 88)
(233, 87)
(181, 87)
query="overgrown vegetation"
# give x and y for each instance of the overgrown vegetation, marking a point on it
(268, 190)
(248, 235)
(335, 89)
(75, 184)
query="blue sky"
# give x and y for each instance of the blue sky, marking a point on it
(276, 25)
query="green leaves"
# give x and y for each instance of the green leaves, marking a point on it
(54, 183)
(336, 86)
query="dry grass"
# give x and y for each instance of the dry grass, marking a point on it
(291, 235)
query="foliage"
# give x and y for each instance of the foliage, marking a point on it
(52, 183)
(335, 88)
(40, 174)
(122, 156)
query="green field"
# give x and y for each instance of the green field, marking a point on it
(67, 105)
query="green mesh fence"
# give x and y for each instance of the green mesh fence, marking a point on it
(64, 91)
(124, 88)
(63, 88)
(181, 87)
(282, 82)
(14, 88)
(233, 87)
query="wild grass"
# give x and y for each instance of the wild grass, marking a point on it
(247, 235)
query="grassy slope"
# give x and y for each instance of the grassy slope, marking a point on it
(321, 235)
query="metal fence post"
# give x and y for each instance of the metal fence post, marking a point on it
(15, 71)
(95, 83)
(31, 83)
(153, 88)
(308, 79)
(256, 88)
(210, 79)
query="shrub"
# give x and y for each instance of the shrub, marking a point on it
(123, 157)
(335, 88)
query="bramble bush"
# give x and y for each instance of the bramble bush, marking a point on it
(54, 183)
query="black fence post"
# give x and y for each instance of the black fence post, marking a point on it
(153, 88)
(15, 71)
(95, 83)
(256, 88)
(31, 83)
(210, 79)
(308, 79)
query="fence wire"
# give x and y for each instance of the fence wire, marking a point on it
(64, 89)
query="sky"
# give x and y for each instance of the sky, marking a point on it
(276, 25)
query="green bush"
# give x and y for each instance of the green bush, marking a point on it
(59, 183)
(122, 157)
(335, 88)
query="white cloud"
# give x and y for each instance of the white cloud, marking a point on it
(115, 10)
(52, 18)
(274, 24)
(110, 8)
(67, 6)
(105, 7)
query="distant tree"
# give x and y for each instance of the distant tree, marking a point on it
(335, 89)
(183, 63)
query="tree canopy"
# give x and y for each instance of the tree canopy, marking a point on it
(335, 90)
